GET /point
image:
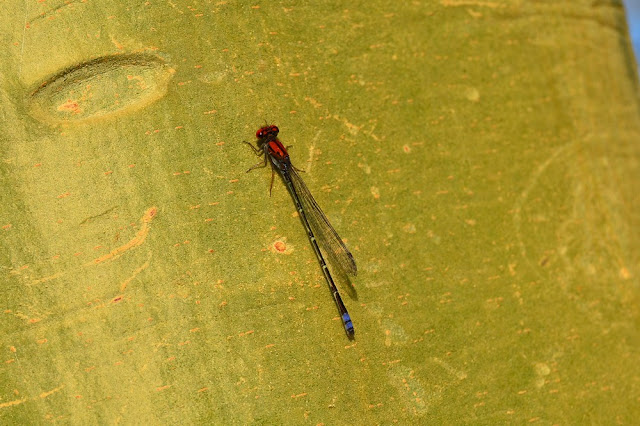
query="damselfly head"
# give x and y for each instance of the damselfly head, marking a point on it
(263, 132)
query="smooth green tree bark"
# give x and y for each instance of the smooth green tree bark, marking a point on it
(480, 159)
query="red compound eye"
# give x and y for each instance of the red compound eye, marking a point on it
(267, 131)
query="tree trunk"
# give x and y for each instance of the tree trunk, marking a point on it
(480, 160)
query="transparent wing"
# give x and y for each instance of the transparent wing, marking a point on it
(327, 237)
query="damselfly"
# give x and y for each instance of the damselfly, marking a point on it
(314, 220)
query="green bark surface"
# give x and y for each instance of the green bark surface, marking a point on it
(480, 159)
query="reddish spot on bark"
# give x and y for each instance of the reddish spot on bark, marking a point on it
(70, 106)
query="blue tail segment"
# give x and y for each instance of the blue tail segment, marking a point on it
(348, 325)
